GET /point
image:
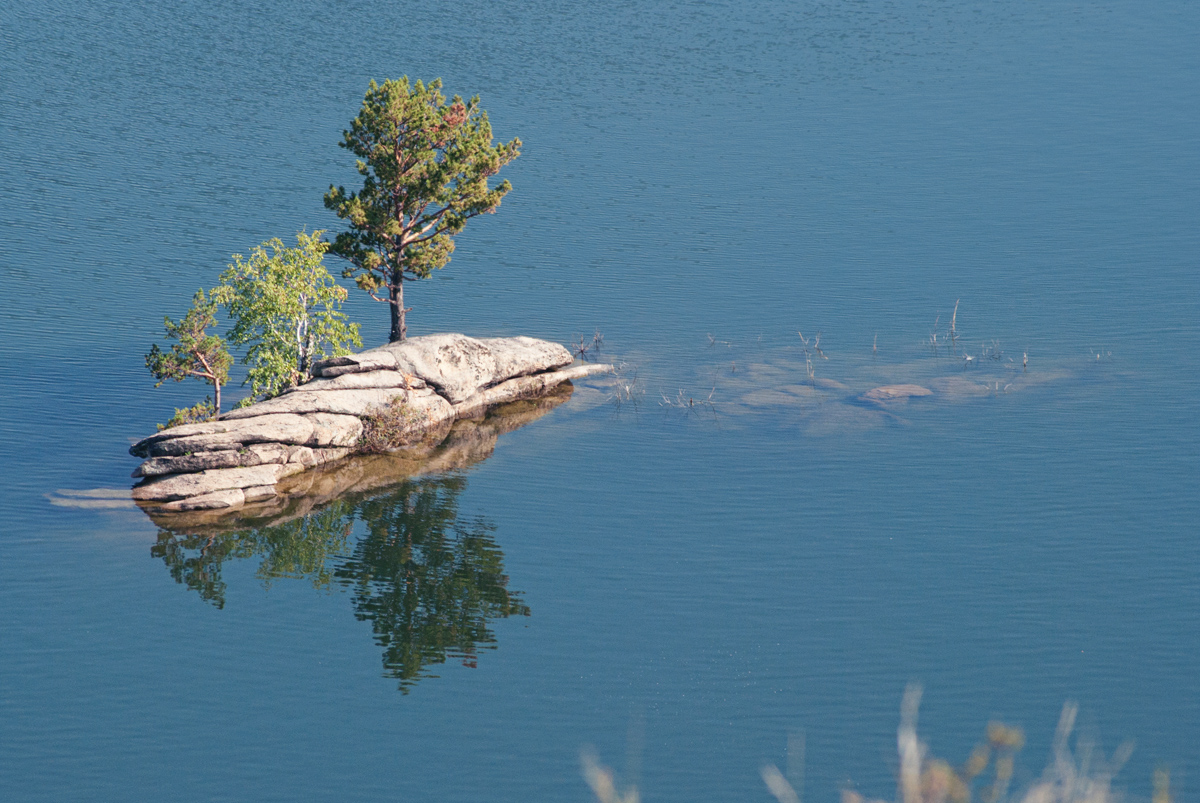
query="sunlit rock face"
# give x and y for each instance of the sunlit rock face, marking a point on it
(241, 459)
(457, 366)
(469, 441)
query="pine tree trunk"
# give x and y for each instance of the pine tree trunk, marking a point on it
(217, 404)
(396, 299)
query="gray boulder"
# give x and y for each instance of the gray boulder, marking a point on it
(254, 455)
(355, 381)
(225, 435)
(183, 486)
(353, 402)
(332, 430)
(456, 365)
(524, 387)
(216, 500)
(363, 362)
(188, 464)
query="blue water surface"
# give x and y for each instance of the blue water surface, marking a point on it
(699, 182)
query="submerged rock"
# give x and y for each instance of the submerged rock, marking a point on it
(888, 393)
(959, 387)
(223, 465)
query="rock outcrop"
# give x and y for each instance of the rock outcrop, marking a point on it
(221, 465)
(470, 441)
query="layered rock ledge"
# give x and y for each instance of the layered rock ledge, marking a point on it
(438, 378)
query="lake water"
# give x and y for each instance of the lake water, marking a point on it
(681, 588)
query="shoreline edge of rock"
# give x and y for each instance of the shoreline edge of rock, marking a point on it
(439, 378)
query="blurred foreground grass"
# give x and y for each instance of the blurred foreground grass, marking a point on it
(1073, 776)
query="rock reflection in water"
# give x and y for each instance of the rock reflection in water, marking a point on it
(385, 528)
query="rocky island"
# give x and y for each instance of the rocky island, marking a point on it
(414, 390)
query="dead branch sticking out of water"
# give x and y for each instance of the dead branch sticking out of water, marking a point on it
(585, 349)
(627, 389)
(688, 403)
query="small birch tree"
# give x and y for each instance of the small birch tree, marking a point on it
(286, 312)
(425, 167)
(197, 354)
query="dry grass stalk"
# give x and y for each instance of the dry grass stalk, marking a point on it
(1072, 776)
(1162, 786)
(1076, 779)
(778, 785)
(600, 779)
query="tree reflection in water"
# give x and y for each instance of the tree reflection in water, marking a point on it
(428, 582)
(384, 527)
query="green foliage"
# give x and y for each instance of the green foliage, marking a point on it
(286, 310)
(196, 414)
(425, 167)
(196, 354)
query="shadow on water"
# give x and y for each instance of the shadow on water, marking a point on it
(387, 530)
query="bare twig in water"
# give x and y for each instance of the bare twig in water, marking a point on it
(690, 404)
(817, 347)
(585, 347)
(712, 341)
(992, 352)
(627, 389)
(808, 363)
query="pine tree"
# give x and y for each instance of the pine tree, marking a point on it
(425, 167)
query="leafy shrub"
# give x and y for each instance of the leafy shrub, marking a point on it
(197, 414)
(286, 311)
(391, 426)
